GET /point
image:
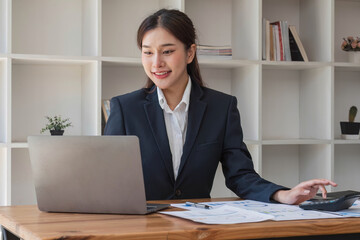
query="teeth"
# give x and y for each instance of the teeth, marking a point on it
(162, 73)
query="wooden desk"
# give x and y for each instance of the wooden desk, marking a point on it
(28, 222)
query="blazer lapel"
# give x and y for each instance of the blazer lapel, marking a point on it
(156, 120)
(196, 112)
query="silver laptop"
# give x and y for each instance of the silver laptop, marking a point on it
(89, 174)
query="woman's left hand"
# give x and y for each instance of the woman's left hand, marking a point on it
(303, 191)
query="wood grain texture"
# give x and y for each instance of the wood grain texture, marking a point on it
(30, 223)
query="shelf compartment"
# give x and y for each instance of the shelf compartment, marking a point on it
(296, 104)
(314, 31)
(55, 27)
(227, 22)
(346, 166)
(243, 83)
(22, 184)
(118, 79)
(346, 24)
(120, 21)
(40, 90)
(347, 85)
(289, 165)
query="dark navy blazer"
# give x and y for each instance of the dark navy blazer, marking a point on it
(213, 135)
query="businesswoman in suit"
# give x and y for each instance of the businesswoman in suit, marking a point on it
(186, 129)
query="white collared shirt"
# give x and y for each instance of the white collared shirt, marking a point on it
(176, 124)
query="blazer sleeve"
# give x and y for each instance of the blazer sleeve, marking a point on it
(237, 164)
(115, 124)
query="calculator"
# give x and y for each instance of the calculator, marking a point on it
(334, 201)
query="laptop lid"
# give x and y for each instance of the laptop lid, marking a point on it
(88, 174)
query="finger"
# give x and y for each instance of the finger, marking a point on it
(313, 182)
(323, 190)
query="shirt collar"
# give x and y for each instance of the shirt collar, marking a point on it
(185, 99)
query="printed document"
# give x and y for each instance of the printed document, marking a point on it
(277, 212)
(225, 214)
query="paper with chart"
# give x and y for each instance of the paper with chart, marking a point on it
(279, 212)
(224, 214)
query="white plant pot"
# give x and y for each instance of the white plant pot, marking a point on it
(350, 136)
(354, 57)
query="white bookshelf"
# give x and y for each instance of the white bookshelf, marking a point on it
(63, 57)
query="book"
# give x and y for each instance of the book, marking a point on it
(296, 48)
(217, 51)
(277, 56)
(263, 49)
(105, 105)
(286, 45)
(266, 40)
(279, 43)
(272, 58)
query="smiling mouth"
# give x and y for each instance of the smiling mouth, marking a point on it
(161, 73)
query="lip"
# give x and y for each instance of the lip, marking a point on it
(161, 74)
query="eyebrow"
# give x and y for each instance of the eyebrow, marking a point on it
(162, 45)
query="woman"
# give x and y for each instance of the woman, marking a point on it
(186, 129)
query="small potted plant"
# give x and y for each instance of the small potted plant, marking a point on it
(350, 129)
(56, 125)
(352, 45)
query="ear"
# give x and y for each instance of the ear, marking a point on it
(191, 53)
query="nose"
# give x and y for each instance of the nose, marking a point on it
(158, 61)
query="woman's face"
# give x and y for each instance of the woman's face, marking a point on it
(165, 58)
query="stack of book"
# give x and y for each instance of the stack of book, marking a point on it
(214, 51)
(281, 42)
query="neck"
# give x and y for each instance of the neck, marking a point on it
(173, 96)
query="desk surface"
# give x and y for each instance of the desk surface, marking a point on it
(28, 222)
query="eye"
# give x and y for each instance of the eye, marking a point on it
(167, 52)
(147, 53)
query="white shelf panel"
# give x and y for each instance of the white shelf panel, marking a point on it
(284, 65)
(251, 142)
(52, 33)
(51, 59)
(224, 63)
(3, 26)
(295, 142)
(3, 175)
(19, 145)
(350, 67)
(3, 100)
(343, 141)
(121, 61)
